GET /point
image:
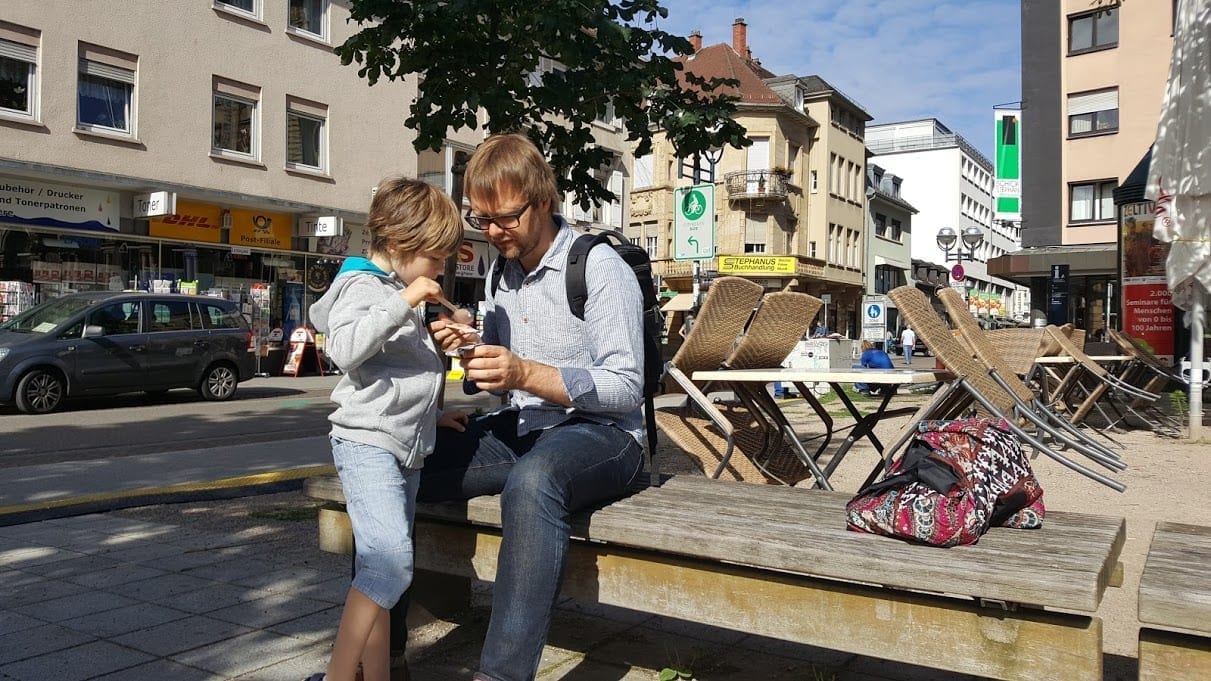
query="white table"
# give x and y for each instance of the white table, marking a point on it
(747, 379)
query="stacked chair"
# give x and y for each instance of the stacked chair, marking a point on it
(747, 441)
(975, 389)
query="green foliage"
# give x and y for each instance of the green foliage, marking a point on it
(1179, 403)
(487, 55)
(670, 674)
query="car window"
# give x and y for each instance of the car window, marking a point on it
(46, 317)
(218, 317)
(171, 315)
(116, 318)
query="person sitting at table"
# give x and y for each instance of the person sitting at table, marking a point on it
(872, 358)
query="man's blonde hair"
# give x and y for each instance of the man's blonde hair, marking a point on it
(511, 161)
(415, 217)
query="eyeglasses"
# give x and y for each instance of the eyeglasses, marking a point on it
(483, 222)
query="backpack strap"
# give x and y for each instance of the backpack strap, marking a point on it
(498, 268)
(574, 278)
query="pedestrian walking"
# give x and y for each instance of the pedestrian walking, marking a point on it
(908, 338)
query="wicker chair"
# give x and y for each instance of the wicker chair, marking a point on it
(710, 436)
(695, 424)
(993, 356)
(972, 387)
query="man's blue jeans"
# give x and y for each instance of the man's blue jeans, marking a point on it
(542, 478)
(908, 354)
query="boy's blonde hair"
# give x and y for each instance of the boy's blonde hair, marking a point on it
(511, 161)
(867, 345)
(414, 216)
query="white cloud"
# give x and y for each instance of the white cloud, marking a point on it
(900, 59)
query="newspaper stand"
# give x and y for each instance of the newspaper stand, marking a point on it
(302, 346)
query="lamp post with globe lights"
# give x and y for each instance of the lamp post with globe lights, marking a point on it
(971, 237)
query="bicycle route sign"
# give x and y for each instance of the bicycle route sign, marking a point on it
(694, 222)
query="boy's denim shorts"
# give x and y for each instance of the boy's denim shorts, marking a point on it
(380, 497)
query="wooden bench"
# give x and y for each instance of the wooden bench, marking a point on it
(777, 561)
(1175, 595)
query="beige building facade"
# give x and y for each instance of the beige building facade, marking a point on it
(789, 208)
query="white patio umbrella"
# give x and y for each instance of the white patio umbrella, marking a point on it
(1179, 181)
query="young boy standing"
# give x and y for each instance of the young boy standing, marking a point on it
(387, 415)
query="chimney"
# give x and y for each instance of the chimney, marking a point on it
(740, 37)
(696, 40)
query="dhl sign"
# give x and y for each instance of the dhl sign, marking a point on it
(192, 222)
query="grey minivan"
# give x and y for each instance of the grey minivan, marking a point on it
(105, 342)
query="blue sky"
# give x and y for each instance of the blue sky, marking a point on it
(900, 59)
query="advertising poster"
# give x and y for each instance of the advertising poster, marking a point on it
(260, 229)
(472, 259)
(42, 204)
(192, 222)
(1007, 189)
(1147, 302)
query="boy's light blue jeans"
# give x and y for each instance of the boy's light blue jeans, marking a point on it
(542, 478)
(380, 497)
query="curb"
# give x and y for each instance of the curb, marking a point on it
(227, 488)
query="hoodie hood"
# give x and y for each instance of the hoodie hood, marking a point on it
(321, 308)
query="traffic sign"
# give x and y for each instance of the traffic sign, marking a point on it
(874, 314)
(694, 222)
(957, 273)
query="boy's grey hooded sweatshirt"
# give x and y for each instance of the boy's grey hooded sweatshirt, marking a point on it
(393, 371)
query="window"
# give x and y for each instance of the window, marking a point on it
(754, 248)
(306, 135)
(171, 315)
(815, 183)
(880, 225)
(643, 172)
(235, 119)
(1091, 113)
(1092, 202)
(106, 90)
(1097, 30)
(18, 72)
(216, 317)
(116, 318)
(309, 16)
(756, 230)
(897, 230)
(245, 6)
(653, 243)
(811, 249)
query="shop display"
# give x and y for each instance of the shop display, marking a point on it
(15, 298)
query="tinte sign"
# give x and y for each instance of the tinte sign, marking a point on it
(191, 222)
(260, 229)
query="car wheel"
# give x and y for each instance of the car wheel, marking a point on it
(218, 383)
(40, 391)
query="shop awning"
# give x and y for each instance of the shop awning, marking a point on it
(679, 303)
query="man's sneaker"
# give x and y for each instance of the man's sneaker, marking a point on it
(315, 677)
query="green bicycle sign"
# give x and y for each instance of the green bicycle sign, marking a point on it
(694, 222)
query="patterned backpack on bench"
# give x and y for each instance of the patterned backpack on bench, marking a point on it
(957, 479)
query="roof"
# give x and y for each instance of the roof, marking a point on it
(1132, 188)
(721, 61)
(815, 85)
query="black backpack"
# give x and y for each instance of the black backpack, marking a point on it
(653, 318)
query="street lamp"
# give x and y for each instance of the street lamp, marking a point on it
(972, 237)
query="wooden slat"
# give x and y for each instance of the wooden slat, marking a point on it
(1166, 656)
(906, 627)
(1066, 564)
(1175, 588)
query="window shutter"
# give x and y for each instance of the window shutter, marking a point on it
(1091, 102)
(18, 51)
(92, 68)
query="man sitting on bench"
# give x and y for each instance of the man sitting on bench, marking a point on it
(571, 436)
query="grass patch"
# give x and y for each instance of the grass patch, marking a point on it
(287, 515)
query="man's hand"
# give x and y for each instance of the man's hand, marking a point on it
(453, 419)
(494, 368)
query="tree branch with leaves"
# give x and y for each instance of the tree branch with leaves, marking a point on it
(487, 55)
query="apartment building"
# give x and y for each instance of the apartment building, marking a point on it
(950, 183)
(888, 239)
(216, 146)
(789, 208)
(1093, 79)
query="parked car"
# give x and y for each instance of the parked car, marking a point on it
(104, 342)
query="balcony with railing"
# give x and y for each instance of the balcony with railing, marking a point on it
(764, 185)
